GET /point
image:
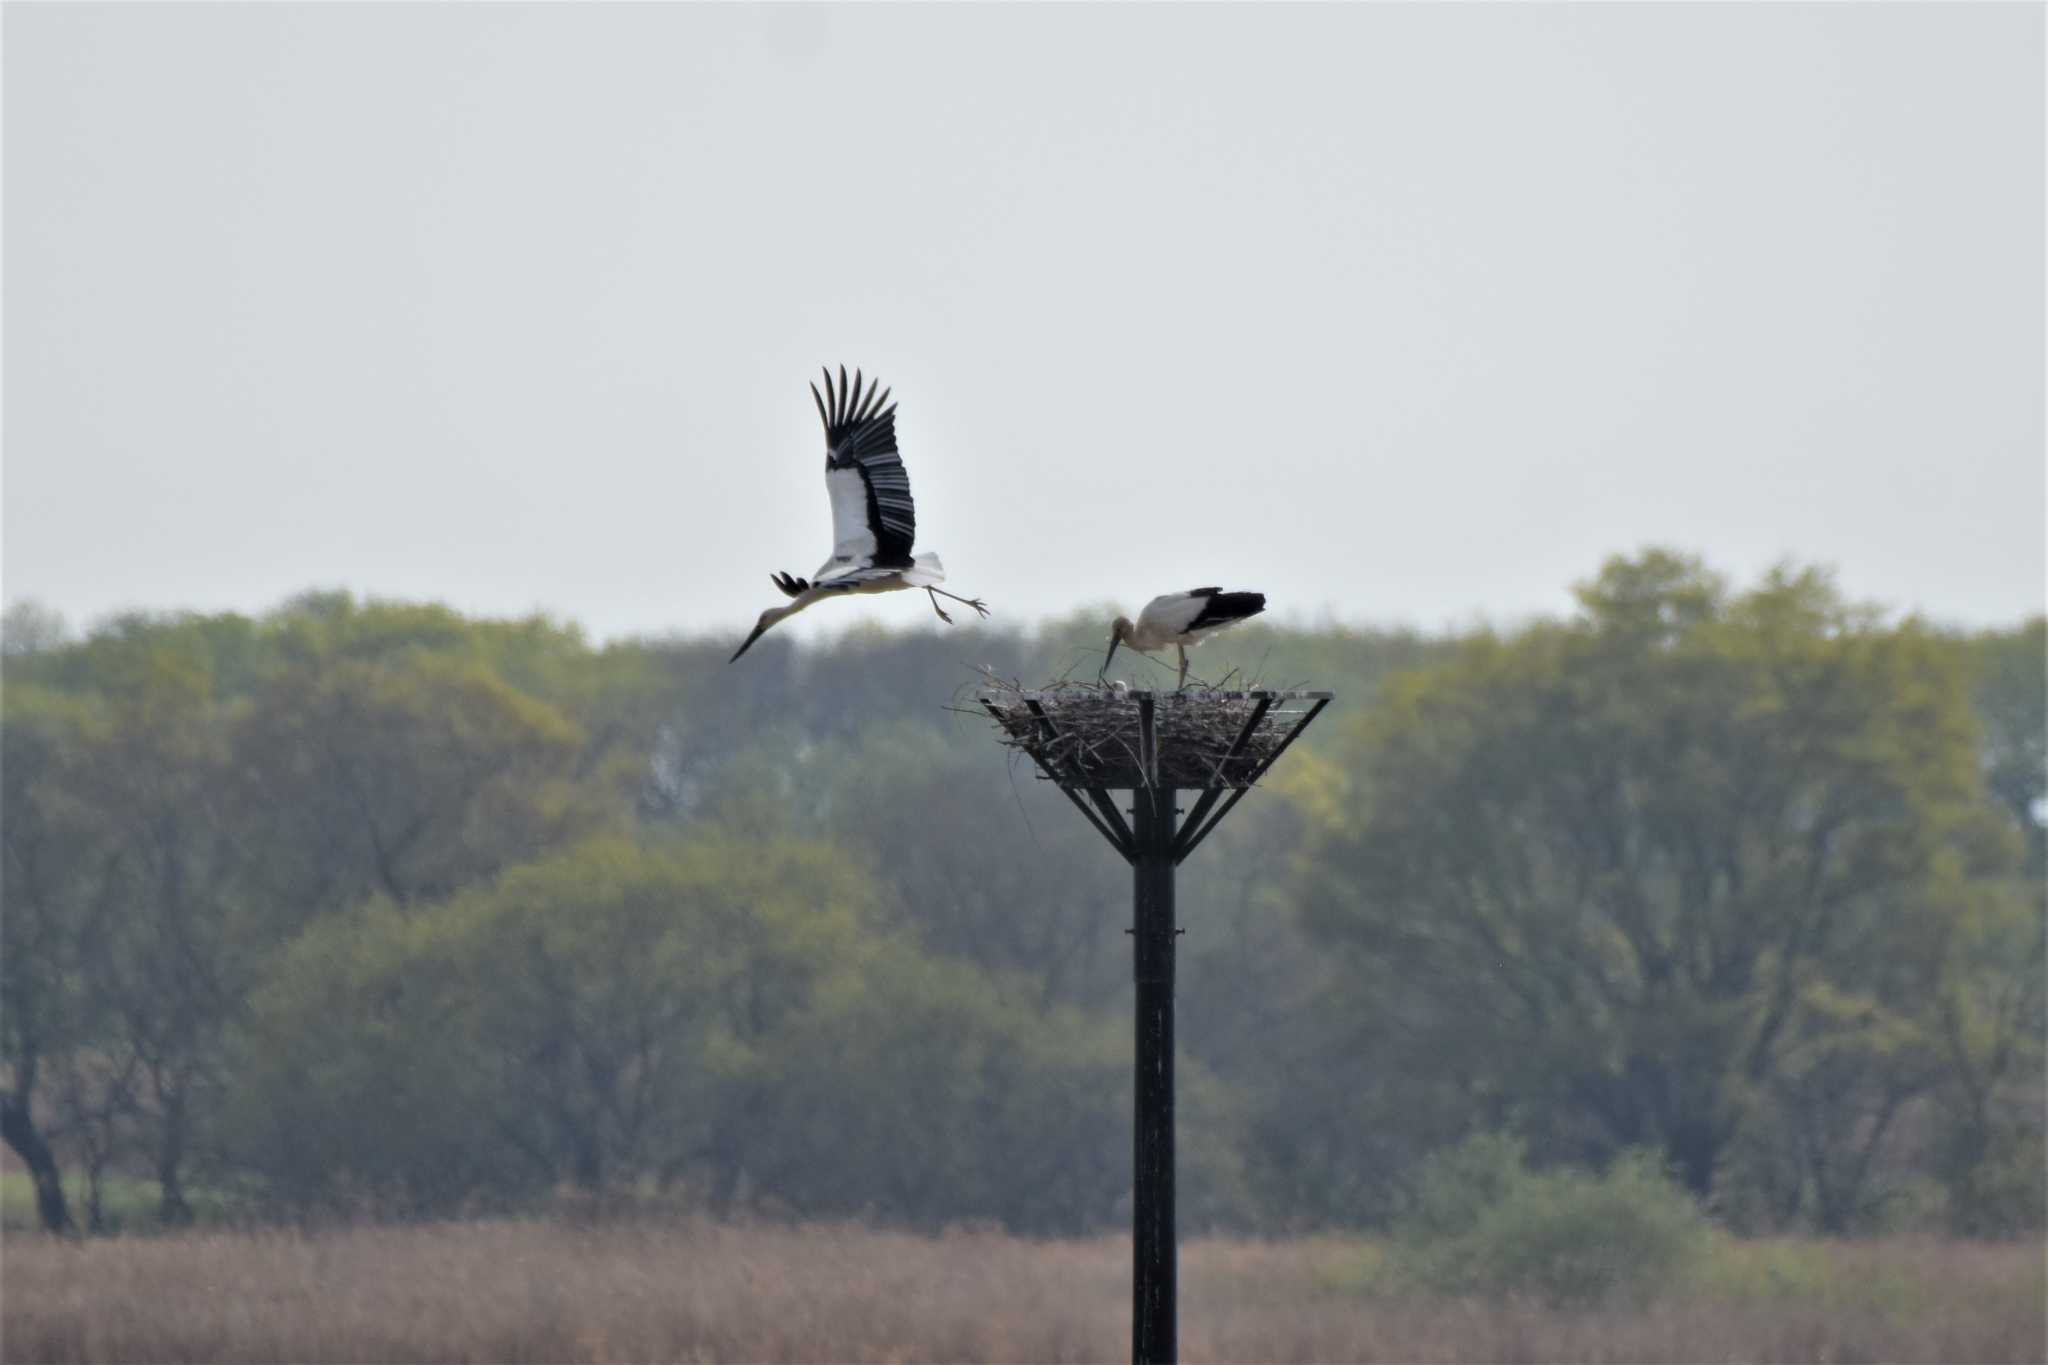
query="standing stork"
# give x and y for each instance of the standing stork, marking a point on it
(1181, 619)
(873, 519)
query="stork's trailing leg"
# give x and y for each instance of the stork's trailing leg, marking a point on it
(1182, 650)
(937, 593)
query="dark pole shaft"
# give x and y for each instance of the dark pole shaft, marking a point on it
(1155, 1256)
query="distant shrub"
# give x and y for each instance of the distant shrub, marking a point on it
(1999, 1187)
(1482, 1222)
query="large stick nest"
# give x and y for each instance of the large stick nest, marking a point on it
(1090, 735)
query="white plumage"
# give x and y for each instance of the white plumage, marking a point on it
(874, 521)
(1181, 619)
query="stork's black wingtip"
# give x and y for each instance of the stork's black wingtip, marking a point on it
(851, 402)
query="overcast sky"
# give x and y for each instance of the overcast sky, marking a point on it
(1400, 313)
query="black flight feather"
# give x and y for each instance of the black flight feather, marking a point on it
(860, 433)
(1225, 607)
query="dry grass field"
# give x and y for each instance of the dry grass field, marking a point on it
(509, 1292)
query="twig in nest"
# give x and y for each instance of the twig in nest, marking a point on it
(1086, 734)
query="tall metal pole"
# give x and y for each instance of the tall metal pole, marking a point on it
(1149, 842)
(1155, 1258)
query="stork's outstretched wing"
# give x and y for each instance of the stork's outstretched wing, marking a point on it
(873, 518)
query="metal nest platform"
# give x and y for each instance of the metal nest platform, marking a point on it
(1088, 739)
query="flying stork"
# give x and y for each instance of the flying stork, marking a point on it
(1181, 619)
(873, 519)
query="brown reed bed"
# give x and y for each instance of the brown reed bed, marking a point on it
(518, 1292)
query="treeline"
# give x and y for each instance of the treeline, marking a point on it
(370, 908)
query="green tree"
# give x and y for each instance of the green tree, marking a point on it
(1993, 1018)
(409, 777)
(986, 864)
(638, 987)
(192, 790)
(921, 1091)
(29, 628)
(1991, 1030)
(582, 1020)
(120, 895)
(54, 888)
(1616, 874)
(1328, 1107)
(2011, 694)
(357, 1085)
(168, 966)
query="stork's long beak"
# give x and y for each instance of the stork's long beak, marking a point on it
(1114, 641)
(768, 618)
(775, 614)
